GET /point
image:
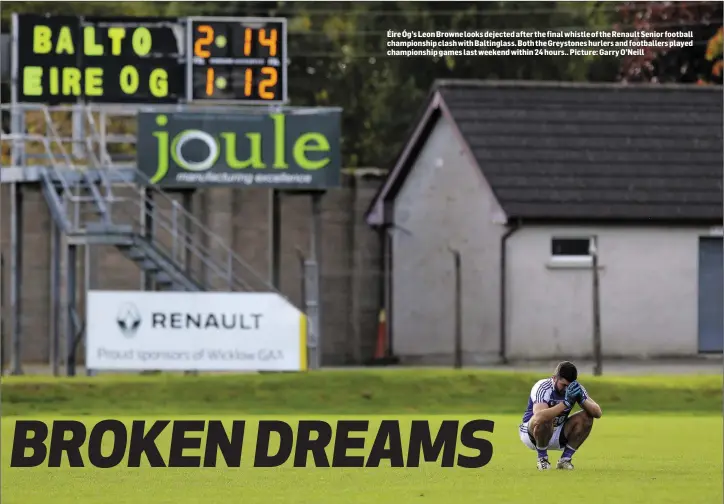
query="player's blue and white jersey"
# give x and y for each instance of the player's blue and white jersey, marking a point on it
(544, 391)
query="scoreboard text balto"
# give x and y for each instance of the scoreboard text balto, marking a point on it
(66, 59)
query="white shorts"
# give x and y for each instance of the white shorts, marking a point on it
(554, 444)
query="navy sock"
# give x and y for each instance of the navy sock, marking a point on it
(542, 453)
(568, 452)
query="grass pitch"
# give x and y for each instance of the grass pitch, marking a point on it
(660, 438)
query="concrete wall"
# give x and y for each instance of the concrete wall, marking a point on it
(445, 202)
(648, 293)
(350, 255)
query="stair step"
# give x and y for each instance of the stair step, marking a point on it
(136, 254)
(76, 198)
(102, 228)
(148, 265)
(94, 210)
(163, 278)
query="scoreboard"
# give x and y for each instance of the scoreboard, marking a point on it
(96, 59)
(237, 61)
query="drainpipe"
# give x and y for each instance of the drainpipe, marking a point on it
(384, 284)
(387, 286)
(503, 306)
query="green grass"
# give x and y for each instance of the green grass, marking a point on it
(660, 438)
(345, 392)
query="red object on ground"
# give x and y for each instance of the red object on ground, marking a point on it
(381, 351)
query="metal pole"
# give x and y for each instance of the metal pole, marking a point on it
(71, 310)
(275, 241)
(458, 312)
(55, 264)
(354, 341)
(598, 367)
(78, 121)
(91, 278)
(175, 230)
(15, 122)
(303, 292)
(78, 124)
(105, 155)
(3, 347)
(203, 213)
(187, 202)
(387, 288)
(16, 267)
(147, 210)
(313, 286)
(311, 304)
(17, 157)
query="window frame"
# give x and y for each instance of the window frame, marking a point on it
(570, 260)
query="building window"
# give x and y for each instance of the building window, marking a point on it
(570, 253)
(570, 247)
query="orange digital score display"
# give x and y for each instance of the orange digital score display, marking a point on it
(234, 61)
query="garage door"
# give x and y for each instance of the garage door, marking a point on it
(711, 295)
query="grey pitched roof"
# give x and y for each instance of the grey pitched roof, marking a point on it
(591, 151)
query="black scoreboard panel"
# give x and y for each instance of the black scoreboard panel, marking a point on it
(151, 66)
(61, 59)
(238, 60)
(65, 59)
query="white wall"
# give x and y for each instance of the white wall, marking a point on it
(445, 202)
(648, 290)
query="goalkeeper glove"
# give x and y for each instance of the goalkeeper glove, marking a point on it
(573, 394)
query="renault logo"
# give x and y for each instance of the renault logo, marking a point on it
(128, 319)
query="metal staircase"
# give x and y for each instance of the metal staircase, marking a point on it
(99, 201)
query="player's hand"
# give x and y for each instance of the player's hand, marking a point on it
(573, 394)
(581, 397)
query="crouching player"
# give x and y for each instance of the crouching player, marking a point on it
(546, 423)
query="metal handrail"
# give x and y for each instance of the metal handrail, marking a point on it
(185, 240)
(33, 137)
(182, 213)
(179, 214)
(228, 267)
(97, 162)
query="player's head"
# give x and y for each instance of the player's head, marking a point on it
(565, 373)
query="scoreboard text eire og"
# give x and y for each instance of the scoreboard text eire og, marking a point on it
(65, 59)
